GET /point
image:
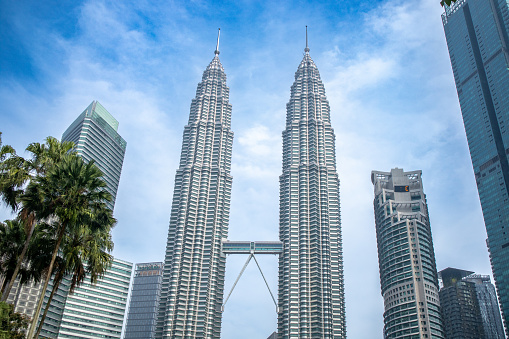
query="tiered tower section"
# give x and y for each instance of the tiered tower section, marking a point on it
(311, 293)
(194, 268)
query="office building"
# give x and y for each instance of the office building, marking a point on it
(488, 305)
(406, 258)
(95, 137)
(194, 266)
(144, 302)
(95, 311)
(311, 293)
(478, 38)
(461, 313)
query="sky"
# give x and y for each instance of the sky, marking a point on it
(387, 75)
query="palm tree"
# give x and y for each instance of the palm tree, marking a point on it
(82, 253)
(7, 177)
(73, 195)
(12, 241)
(16, 171)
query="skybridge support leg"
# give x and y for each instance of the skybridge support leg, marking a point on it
(266, 283)
(236, 281)
(251, 255)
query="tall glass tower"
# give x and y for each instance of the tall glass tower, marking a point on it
(95, 137)
(311, 293)
(145, 294)
(194, 267)
(406, 259)
(478, 39)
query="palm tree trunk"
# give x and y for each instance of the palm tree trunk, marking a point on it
(5, 295)
(46, 281)
(4, 285)
(56, 283)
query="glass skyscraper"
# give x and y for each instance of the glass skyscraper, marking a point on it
(478, 38)
(460, 309)
(311, 293)
(194, 266)
(144, 303)
(95, 136)
(406, 258)
(92, 311)
(488, 304)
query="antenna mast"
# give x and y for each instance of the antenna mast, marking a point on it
(216, 52)
(307, 48)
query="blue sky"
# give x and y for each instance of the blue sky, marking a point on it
(387, 76)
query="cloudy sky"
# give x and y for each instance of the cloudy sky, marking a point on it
(387, 76)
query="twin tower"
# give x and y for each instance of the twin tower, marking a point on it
(310, 292)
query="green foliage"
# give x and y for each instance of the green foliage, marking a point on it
(446, 2)
(12, 240)
(63, 226)
(12, 324)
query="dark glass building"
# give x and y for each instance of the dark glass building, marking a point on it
(488, 305)
(461, 313)
(144, 303)
(406, 258)
(477, 38)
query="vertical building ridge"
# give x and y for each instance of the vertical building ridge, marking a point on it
(311, 292)
(194, 266)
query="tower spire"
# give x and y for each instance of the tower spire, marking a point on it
(216, 52)
(307, 48)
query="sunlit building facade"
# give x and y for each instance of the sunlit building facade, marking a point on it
(311, 293)
(194, 266)
(95, 137)
(477, 33)
(406, 258)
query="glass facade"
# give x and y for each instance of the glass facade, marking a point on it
(95, 137)
(488, 304)
(194, 265)
(406, 257)
(97, 311)
(311, 292)
(144, 303)
(459, 305)
(477, 38)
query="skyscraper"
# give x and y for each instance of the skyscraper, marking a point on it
(194, 266)
(91, 311)
(478, 39)
(95, 136)
(144, 303)
(488, 304)
(310, 292)
(459, 306)
(406, 259)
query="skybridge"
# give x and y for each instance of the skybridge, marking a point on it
(251, 248)
(255, 247)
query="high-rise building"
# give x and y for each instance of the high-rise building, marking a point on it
(406, 258)
(97, 311)
(144, 303)
(460, 309)
(478, 38)
(311, 293)
(488, 305)
(91, 311)
(95, 137)
(194, 266)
